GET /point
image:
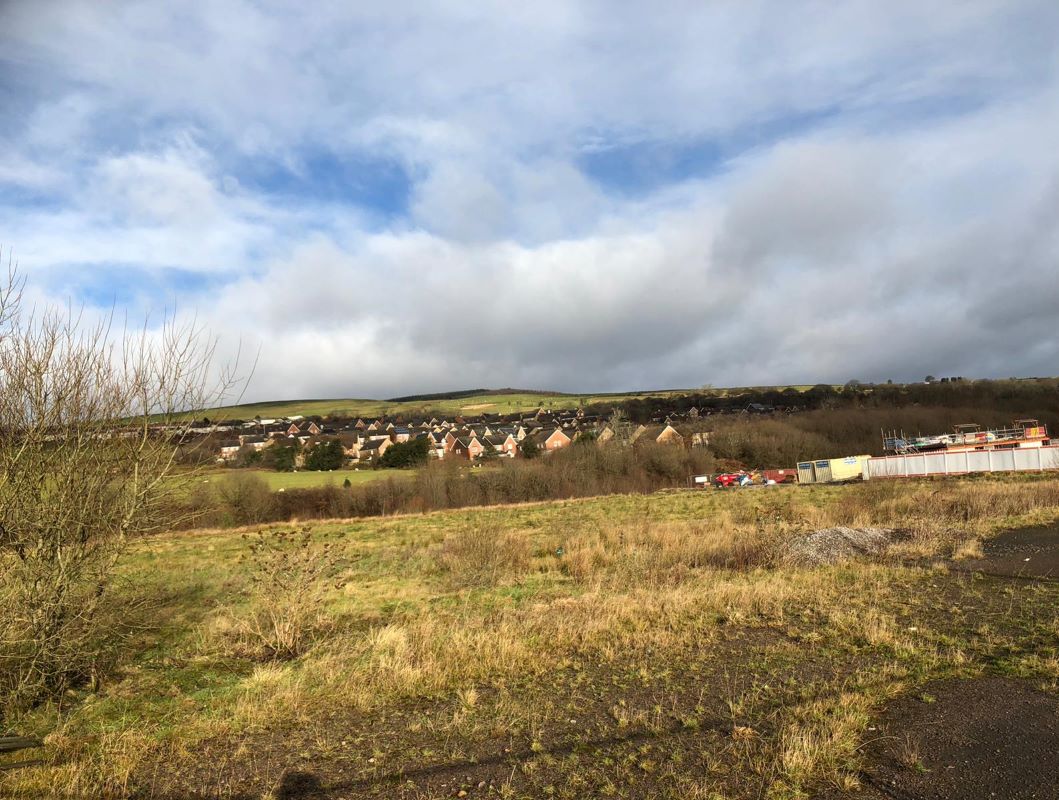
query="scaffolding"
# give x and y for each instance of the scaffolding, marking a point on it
(969, 436)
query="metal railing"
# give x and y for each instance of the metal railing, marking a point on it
(898, 442)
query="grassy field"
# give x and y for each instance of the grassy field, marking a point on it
(489, 402)
(505, 403)
(626, 646)
(305, 479)
(184, 483)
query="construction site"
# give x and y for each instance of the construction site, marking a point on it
(1022, 446)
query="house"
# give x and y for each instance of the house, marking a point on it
(503, 444)
(758, 408)
(351, 442)
(305, 429)
(453, 434)
(550, 441)
(437, 443)
(255, 442)
(229, 450)
(659, 434)
(508, 431)
(373, 449)
(637, 432)
(467, 447)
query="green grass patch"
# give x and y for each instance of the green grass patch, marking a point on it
(461, 639)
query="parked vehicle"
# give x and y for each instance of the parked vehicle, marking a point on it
(728, 479)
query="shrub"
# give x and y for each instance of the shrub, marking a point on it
(245, 499)
(84, 473)
(287, 572)
(406, 455)
(482, 554)
(529, 448)
(282, 457)
(579, 471)
(325, 456)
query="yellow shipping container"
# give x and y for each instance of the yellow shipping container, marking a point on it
(844, 469)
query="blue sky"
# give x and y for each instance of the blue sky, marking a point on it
(428, 197)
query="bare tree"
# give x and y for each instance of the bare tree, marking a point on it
(89, 417)
(622, 427)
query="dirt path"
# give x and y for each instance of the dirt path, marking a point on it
(966, 740)
(1025, 553)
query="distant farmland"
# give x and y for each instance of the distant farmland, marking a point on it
(486, 401)
(493, 403)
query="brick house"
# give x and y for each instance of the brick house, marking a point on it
(467, 447)
(504, 444)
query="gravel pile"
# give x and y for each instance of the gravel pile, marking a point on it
(831, 545)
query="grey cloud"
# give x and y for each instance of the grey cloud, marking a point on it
(895, 217)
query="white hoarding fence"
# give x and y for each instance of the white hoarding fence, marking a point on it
(1024, 459)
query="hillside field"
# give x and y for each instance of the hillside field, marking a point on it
(625, 646)
(307, 479)
(488, 402)
(491, 403)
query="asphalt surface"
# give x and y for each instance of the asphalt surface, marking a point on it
(988, 739)
(1022, 553)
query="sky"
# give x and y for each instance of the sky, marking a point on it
(384, 199)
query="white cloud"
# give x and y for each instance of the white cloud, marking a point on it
(879, 170)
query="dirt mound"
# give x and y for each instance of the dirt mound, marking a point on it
(831, 545)
(966, 740)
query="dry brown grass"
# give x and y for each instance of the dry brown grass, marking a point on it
(668, 552)
(820, 745)
(481, 554)
(438, 605)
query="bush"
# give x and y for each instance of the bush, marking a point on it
(481, 554)
(287, 586)
(406, 455)
(84, 474)
(249, 457)
(325, 456)
(529, 448)
(282, 457)
(245, 499)
(571, 472)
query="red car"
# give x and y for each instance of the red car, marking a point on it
(726, 479)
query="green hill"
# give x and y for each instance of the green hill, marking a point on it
(490, 401)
